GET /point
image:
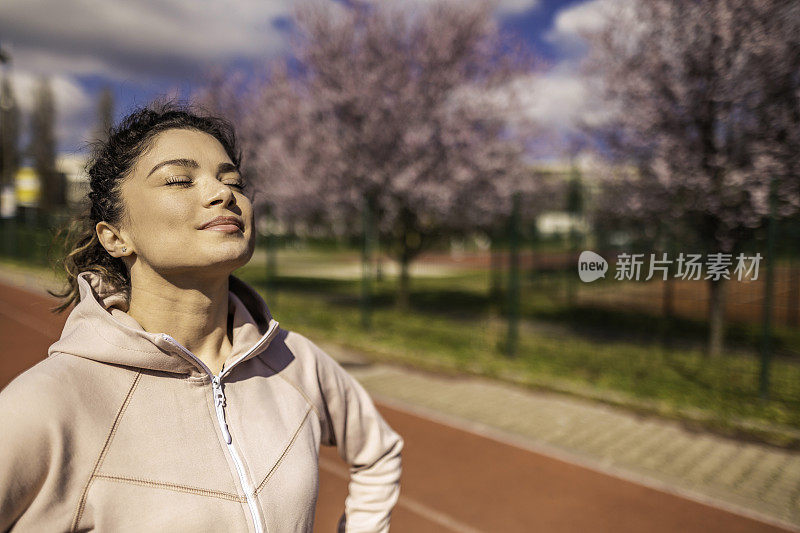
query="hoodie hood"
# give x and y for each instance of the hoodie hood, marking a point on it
(100, 328)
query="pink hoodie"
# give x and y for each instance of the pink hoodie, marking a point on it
(119, 429)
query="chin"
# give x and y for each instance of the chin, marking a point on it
(222, 256)
(240, 259)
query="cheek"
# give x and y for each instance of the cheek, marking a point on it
(246, 208)
(157, 221)
(253, 228)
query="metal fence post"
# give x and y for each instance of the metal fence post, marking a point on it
(769, 282)
(366, 263)
(513, 278)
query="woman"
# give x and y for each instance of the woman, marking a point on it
(173, 401)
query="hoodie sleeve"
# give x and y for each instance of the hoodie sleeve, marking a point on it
(366, 442)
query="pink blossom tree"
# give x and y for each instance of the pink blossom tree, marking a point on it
(705, 98)
(388, 110)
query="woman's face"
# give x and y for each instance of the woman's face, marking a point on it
(184, 181)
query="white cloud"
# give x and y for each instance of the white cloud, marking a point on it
(555, 98)
(140, 38)
(570, 22)
(70, 97)
(137, 40)
(143, 45)
(73, 105)
(553, 106)
(559, 99)
(64, 63)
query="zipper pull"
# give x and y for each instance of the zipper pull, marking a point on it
(219, 404)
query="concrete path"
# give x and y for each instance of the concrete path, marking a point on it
(747, 478)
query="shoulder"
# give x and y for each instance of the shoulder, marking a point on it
(56, 389)
(294, 351)
(37, 384)
(58, 410)
(54, 375)
(304, 346)
(312, 357)
(300, 360)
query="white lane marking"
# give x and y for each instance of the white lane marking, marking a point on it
(409, 504)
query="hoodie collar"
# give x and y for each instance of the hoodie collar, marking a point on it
(99, 328)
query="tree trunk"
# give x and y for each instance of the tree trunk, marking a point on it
(668, 298)
(667, 311)
(412, 242)
(716, 317)
(272, 258)
(571, 287)
(495, 270)
(378, 266)
(403, 288)
(793, 296)
(366, 263)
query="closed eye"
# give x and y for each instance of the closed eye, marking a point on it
(183, 183)
(187, 182)
(238, 182)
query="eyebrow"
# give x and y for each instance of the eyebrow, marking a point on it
(191, 163)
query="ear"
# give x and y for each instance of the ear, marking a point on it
(112, 240)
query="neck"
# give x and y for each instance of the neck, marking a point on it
(193, 310)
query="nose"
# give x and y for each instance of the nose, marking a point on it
(219, 193)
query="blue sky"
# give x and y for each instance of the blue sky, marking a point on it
(148, 48)
(535, 24)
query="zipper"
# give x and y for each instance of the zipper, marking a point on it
(219, 407)
(219, 402)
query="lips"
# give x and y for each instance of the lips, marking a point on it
(224, 221)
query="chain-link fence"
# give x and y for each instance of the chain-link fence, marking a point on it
(664, 324)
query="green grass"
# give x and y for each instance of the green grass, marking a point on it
(607, 355)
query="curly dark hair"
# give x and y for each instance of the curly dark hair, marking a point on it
(109, 165)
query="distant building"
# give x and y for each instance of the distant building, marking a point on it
(554, 218)
(27, 189)
(72, 166)
(551, 223)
